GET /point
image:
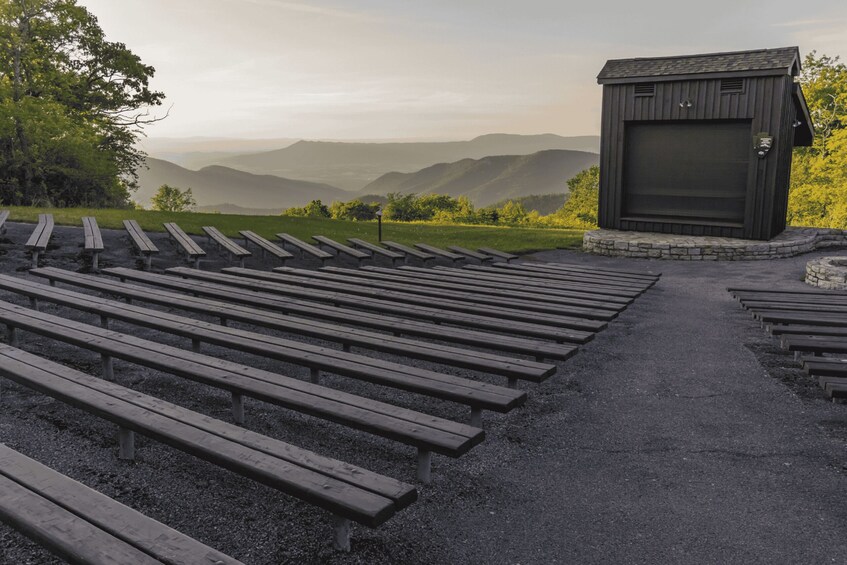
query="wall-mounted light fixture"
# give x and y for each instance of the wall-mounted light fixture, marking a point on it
(686, 104)
(796, 124)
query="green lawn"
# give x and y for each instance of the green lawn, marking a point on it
(514, 240)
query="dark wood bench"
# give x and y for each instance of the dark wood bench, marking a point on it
(304, 248)
(508, 257)
(478, 396)
(4, 215)
(533, 271)
(37, 242)
(623, 275)
(93, 239)
(470, 253)
(480, 280)
(349, 493)
(394, 256)
(81, 525)
(407, 305)
(341, 248)
(192, 251)
(508, 299)
(265, 245)
(438, 252)
(495, 363)
(225, 243)
(141, 242)
(551, 281)
(409, 251)
(428, 434)
(251, 307)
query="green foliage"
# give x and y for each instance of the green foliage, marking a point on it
(171, 199)
(818, 193)
(580, 209)
(544, 204)
(71, 107)
(354, 210)
(314, 209)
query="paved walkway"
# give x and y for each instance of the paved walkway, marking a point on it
(667, 441)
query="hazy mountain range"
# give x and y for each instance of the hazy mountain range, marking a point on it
(501, 167)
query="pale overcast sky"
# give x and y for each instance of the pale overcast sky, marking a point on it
(428, 69)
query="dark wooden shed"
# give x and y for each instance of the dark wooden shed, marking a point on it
(701, 144)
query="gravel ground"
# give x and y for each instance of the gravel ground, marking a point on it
(680, 435)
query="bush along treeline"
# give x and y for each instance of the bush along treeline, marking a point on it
(579, 211)
(71, 107)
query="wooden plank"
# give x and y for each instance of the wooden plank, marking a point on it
(406, 250)
(36, 239)
(93, 237)
(815, 343)
(139, 238)
(497, 253)
(188, 245)
(4, 215)
(153, 538)
(594, 285)
(455, 257)
(469, 253)
(376, 249)
(798, 317)
(305, 247)
(240, 305)
(223, 241)
(527, 270)
(369, 369)
(345, 490)
(635, 276)
(507, 299)
(265, 245)
(341, 248)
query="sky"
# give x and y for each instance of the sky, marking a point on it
(427, 69)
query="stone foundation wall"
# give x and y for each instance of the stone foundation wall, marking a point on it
(791, 242)
(827, 272)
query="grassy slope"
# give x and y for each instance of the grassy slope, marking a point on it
(513, 240)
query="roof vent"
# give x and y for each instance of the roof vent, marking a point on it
(645, 89)
(730, 85)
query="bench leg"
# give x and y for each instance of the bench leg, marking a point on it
(148, 261)
(12, 334)
(195, 345)
(237, 408)
(513, 382)
(108, 367)
(424, 466)
(315, 375)
(35, 259)
(95, 261)
(126, 441)
(104, 322)
(241, 262)
(197, 263)
(52, 282)
(33, 303)
(345, 347)
(341, 534)
(476, 417)
(224, 321)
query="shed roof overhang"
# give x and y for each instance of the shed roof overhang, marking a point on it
(804, 132)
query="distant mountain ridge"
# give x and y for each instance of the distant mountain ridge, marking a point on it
(351, 166)
(491, 179)
(214, 185)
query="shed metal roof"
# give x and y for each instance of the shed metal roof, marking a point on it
(782, 60)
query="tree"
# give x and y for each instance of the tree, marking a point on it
(71, 107)
(353, 210)
(171, 199)
(314, 209)
(580, 209)
(818, 192)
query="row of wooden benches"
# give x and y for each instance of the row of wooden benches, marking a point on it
(810, 323)
(40, 238)
(261, 385)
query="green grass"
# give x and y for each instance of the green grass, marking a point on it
(510, 239)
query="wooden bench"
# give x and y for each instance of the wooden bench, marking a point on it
(476, 395)
(403, 278)
(37, 242)
(192, 251)
(631, 276)
(93, 239)
(551, 281)
(601, 279)
(82, 525)
(438, 252)
(377, 250)
(348, 492)
(428, 434)
(265, 245)
(341, 248)
(225, 243)
(141, 242)
(247, 306)
(470, 253)
(304, 248)
(508, 257)
(4, 215)
(344, 277)
(409, 251)
(408, 305)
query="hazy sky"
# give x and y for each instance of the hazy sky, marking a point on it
(425, 69)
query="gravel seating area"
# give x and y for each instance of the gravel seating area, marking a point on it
(680, 434)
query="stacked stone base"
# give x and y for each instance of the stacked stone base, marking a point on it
(827, 272)
(791, 242)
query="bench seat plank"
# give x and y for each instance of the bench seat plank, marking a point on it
(341, 248)
(528, 270)
(377, 250)
(223, 242)
(37, 242)
(347, 491)
(247, 304)
(188, 245)
(552, 282)
(91, 231)
(470, 253)
(82, 503)
(437, 251)
(623, 275)
(305, 247)
(265, 245)
(4, 215)
(141, 241)
(497, 253)
(406, 250)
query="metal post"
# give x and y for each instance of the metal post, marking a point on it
(237, 408)
(424, 466)
(108, 367)
(126, 440)
(315, 375)
(12, 332)
(476, 417)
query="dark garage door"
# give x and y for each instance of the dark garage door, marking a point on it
(687, 171)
